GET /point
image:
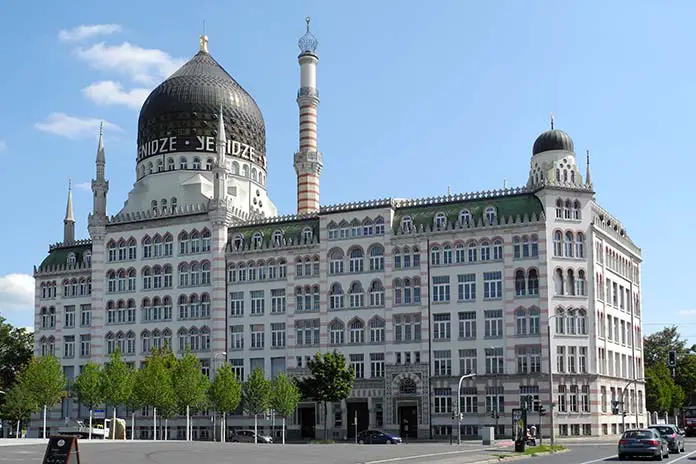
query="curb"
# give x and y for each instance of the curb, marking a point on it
(517, 457)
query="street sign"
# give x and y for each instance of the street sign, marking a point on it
(99, 414)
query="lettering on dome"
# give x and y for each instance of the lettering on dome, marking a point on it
(198, 143)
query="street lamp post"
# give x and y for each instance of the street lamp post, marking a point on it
(459, 406)
(623, 408)
(218, 355)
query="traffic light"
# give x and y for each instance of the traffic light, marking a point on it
(542, 411)
(614, 406)
(672, 359)
(494, 415)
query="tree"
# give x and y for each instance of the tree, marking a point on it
(257, 396)
(19, 405)
(153, 385)
(116, 384)
(16, 351)
(662, 392)
(285, 395)
(331, 381)
(225, 393)
(658, 344)
(45, 383)
(656, 347)
(190, 386)
(87, 389)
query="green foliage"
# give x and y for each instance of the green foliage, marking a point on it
(657, 345)
(116, 381)
(153, 383)
(257, 393)
(189, 383)
(44, 381)
(285, 395)
(662, 392)
(19, 404)
(16, 351)
(225, 392)
(86, 387)
(331, 380)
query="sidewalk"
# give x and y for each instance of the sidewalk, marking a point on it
(22, 441)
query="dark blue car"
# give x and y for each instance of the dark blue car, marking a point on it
(377, 437)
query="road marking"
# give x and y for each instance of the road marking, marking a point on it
(613, 456)
(682, 457)
(404, 458)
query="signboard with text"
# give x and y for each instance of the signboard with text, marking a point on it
(198, 143)
(62, 449)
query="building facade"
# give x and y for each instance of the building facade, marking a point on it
(415, 292)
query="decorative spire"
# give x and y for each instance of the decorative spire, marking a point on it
(588, 178)
(221, 136)
(504, 183)
(100, 146)
(551, 121)
(308, 43)
(203, 42)
(69, 216)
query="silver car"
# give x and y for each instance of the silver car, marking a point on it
(643, 442)
(671, 433)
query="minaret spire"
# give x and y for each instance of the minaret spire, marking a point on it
(308, 159)
(588, 178)
(219, 170)
(100, 186)
(551, 121)
(69, 221)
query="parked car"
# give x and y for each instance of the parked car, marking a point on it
(247, 436)
(643, 442)
(675, 439)
(377, 437)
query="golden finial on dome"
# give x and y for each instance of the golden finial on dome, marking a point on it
(203, 40)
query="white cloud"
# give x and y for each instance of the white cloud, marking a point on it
(16, 293)
(3, 145)
(87, 186)
(687, 312)
(112, 93)
(84, 31)
(72, 127)
(143, 65)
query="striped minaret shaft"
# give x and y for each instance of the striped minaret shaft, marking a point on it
(308, 159)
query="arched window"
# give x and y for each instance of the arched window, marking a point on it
(307, 235)
(569, 244)
(72, 259)
(183, 164)
(333, 231)
(532, 282)
(459, 253)
(521, 322)
(277, 238)
(570, 284)
(535, 246)
(560, 321)
(558, 243)
(581, 283)
(336, 261)
(376, 326)
(472, 252)
(465, 218)
(406, 224)
(356, 295)
(183, 275)
(257, 240)
(376, 293)
(205, 240)
(356, 328)
(379, 226)
(533, 321)
(435, 255)
(485, 250)
(559, 209)
(356, 260)
(182, 335)
(336, 297)
(559, 282)
(337, 332)
(196, 163)
(520, 283)
(497, 249)
(110, 343)
(235, 168)
(209, 164)
(566, 209)
(170, 164)
(571, 320)
(490, 215)
(376, 253)
(576, 210)
(582, 322)
(580, 245)
(440, 221)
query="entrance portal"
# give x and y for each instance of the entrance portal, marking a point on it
(408, 421)
(362, 412)
(308, 422)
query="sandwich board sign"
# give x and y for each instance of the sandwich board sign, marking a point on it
(62, 449)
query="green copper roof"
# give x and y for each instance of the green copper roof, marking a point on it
(292, 230)
(59, 256)
(512, 205)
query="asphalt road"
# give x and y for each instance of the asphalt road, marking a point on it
(581, 452)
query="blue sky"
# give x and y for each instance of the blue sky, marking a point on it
(415, 97)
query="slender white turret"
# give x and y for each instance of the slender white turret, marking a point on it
(69, 221)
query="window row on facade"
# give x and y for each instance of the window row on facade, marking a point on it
(70, 316)
(471, 252)
(618, 331)
(277, 238)
(356, 260)
(193, 274)
(355, 228)
(442, 222)
(569, 244)
(199, 164)
(72, 288)
(71, 343)
(48, 289)
(614, 294)
(257, 270)
(615, 364)
(570, 282)
(159, 245)
(617, 262)
(568, 209)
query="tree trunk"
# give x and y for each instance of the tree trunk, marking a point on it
(18, 423)
(133, 425)
(256, 428)
(326, 421)
(44, 421)
(90, 423)
(188, 436)
(223, 426)
(166, 429)
(112, 429)
(283, 430)
(154, 424)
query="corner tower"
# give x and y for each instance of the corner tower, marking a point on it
(69, 221)
(308, 159)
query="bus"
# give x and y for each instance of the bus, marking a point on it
(689, 420)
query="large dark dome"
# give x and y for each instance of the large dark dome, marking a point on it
(187, 104)
(553, 139)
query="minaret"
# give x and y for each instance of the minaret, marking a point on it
(100, 186)
(69, 221)
(588, 178)
(308, 159)
(219, 170)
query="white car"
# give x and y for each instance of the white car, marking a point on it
(247, 436)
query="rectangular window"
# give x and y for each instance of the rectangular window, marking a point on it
(442, 398)
(494, 360)
(278, 301)
(492, 285)
(525, 392)
(562, 398)
(493, 323)
(466, 287)
(357, 362)
(603, 398)
(442, 364)
(582, 360)
(573, 398)
(85, 315)
(85, 344)
(257, 336)
(69, 346)
(307, 332)
(495, 399)
(469, 400)
(236, 304)
(467, 324)
(585, 398)
(572, 357)
(407, 327)
(237, 337)
(467, 361)
(69, 317)
(441, 326)
(441, 288)
(257, 302)
(560, 358)
(376, 365)
(278, 335)
(238, 368)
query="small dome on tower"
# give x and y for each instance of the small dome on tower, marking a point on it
(553, 139)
